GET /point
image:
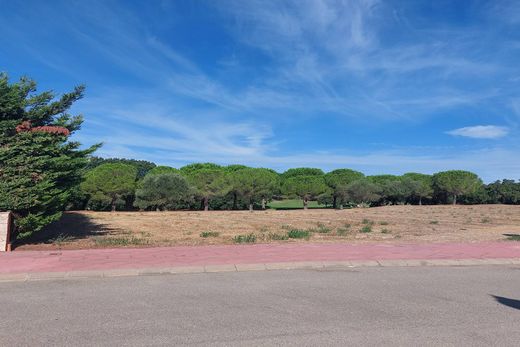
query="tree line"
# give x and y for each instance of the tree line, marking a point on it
(112, 184)
(43, 172)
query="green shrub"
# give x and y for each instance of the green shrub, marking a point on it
(299, 234)
(249, 238)
(383, 222)
(486, 220)
(385, 231)
(209, 234)
(434, 222)
(366, 229)
(513, 237)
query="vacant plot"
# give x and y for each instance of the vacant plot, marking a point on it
(380, 224)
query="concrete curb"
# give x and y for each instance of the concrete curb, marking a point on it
(309, 265)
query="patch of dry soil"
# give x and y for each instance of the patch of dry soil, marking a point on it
(87, 229)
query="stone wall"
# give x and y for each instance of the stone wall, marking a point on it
(5, 229)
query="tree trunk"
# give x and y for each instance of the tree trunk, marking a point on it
(206, 203)
(341, 206)
(157, 209)
(263, 204)
(113, 209)
(454, 199)
(250, 207)
(420, 200)
(234, 200)
(334, 201)
(305, 203)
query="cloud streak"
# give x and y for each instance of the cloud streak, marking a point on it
(480, 132)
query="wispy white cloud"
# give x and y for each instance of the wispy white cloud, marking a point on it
(151, 127)
(481, 131)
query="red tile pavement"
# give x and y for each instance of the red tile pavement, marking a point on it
(140, 258)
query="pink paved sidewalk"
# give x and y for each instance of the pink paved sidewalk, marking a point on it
(142, 258)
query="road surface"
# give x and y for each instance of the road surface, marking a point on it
(457, 306)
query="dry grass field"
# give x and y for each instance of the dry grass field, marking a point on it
(87, 229)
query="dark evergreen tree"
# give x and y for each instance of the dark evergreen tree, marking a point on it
(39, 166)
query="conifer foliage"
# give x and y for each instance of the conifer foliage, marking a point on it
(39, 166)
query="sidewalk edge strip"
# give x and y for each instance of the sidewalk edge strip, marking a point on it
(307, 265)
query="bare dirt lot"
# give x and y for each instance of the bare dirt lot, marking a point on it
(88, 229)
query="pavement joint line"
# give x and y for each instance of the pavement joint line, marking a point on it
(251, 267)
(220, 268)
(16, 277)
(217, 268)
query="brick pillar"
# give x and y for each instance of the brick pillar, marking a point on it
(5, 231)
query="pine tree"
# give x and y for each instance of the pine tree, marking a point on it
(39, 166)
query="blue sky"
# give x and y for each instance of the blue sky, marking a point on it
(378, 86)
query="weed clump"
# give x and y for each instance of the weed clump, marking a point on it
(120, 241)
(206, 234)
(277, 237)
(61, 238)
(249, 238)
(367, 222)
(366, 229)
(322, 229)
(299, 234)
(342, 231)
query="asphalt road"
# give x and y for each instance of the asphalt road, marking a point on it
(412, 306)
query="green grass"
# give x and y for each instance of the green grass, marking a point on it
(249, 238)
(209, 234)
(385, 231)
(383, 222)
(292, 204)
(486, 220)
(513, 237)
(434, 222)
(366, 229)
(299, 234)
